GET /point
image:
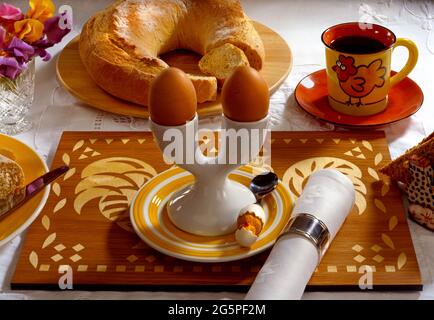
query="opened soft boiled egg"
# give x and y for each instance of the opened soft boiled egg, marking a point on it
(172, 98)
(250, 222)
(245, 95)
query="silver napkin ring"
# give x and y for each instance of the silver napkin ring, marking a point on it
(311, 228)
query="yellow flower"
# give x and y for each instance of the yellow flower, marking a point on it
(29, 30)
(41, 10)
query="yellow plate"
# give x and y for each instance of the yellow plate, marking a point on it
(74, 77)
(151, 222)
(33, 167)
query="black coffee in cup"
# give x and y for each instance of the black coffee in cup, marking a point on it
(357, 45)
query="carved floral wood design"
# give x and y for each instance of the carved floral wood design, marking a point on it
(85, 223)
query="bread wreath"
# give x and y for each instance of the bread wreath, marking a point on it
(120, 46)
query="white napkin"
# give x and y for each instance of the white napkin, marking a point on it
(329, 196)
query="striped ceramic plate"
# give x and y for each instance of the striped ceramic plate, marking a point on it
(33, 167)
(151, 221)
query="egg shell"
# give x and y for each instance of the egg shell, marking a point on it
(172, 98)
(245, 238)
(245, 95)
(256, 209)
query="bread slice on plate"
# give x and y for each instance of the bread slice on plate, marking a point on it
(221, 61)
(11, 179)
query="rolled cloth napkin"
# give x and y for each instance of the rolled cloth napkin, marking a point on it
(324, 205)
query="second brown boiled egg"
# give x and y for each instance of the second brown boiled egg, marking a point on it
(245, 95)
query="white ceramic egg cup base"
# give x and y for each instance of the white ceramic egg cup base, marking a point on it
(210, 206)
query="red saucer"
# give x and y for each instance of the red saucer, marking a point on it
(405, 99)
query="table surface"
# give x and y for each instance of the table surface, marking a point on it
(301, 24)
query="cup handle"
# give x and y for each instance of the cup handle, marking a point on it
(413, 54)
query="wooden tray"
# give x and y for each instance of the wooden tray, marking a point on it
(74, 77)
(89, 229)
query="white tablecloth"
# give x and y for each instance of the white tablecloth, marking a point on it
(301, 23)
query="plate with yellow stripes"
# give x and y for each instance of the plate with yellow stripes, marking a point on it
(151, 221)
(33, 167)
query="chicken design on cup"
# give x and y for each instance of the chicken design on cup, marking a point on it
(359, 67)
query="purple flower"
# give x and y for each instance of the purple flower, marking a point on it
(10, 67)
(17, 48)
(10, 13)
(22, 51)
(56, 28)
(42, 53)
(54, 34)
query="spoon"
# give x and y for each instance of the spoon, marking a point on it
(263, 185)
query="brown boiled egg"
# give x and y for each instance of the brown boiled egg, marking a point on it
(172, 98)
(245, 95)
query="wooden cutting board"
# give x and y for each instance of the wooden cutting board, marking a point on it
(92, 233)
(74, 77)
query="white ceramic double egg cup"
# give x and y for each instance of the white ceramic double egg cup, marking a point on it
(210, 206)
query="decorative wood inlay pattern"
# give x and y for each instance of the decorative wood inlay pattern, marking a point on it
(87, 225)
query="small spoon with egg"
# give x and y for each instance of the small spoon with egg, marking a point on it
(252, 219)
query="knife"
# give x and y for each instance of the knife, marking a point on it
(31, 190)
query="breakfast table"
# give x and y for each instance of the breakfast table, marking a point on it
(301, 24)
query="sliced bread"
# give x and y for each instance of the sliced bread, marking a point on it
(221, 61)
(11, 178)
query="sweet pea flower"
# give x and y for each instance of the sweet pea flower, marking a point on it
(23, 37)
(54, 31)
(10, 13)
(10, 67)
(22, 51)
(29, 30)
(41, 51)
(41, 10)
(54, 34)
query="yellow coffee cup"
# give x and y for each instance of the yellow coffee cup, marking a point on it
(358, 59)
